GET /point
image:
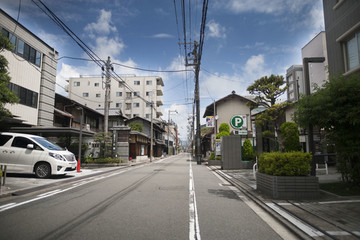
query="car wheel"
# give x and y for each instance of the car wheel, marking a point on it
(42, 170)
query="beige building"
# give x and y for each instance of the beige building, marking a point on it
(32, 67)
(131, 99)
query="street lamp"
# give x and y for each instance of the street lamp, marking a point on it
(306, 61)
(169, 129)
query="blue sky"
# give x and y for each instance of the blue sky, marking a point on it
(244, 40)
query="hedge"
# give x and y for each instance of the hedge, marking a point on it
(285, 164)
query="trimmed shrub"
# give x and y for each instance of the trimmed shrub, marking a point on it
(212, 156)
(220, 134)
(224, 127)
(248, 152)
(103, 160)
(285, 164)
(290, 135)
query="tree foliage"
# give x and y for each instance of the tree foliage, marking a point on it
(104, 141)
(335, 108)
(290, 137)
(248, 152)
(136, 126)
(6, 95)
(267, 89)
(224, 130)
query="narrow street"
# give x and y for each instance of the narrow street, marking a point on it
(172, 198)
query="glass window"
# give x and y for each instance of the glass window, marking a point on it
(148, 82)
(128, 106)
(128, 95)
(85, 94)
(118, 94)
(136, 82)
(32, 56)
(121, 84)
(98, 95)
(20, 47)
(148, 116)
(4, 139)
(136, 94)
(352, 53)
(38, 58)
(118, 105)
(96, 84)
(26, 51)
(76, 84)
(21, 142)
(136, 105)
(148, 104)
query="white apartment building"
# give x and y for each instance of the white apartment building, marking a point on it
(32, 66)
(295, 83)
(128, 99)
(318, 72)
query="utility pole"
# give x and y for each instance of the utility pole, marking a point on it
(108, 67)
(197, 101)
(151, 132)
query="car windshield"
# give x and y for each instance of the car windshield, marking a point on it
(49, 145)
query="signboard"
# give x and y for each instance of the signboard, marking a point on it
(239, 122)
(217, 147)
(210, 121)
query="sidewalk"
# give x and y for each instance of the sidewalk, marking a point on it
(331, 216)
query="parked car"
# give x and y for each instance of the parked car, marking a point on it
(25, 153)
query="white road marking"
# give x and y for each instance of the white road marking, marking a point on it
(57, 191)
(338, 233)
(194, 228)
(344, 201)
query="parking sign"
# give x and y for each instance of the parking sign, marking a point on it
(238, 122)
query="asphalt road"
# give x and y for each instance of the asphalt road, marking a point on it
(173, 198)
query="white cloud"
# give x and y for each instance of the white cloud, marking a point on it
(103, 24)
(64, 74)
(105, 46)
(215, 30)
(162, 35)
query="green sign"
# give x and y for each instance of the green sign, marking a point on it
(238, 122)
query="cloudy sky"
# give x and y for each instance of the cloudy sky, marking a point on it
(244, 40)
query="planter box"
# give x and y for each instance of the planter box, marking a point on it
(214, 163)
(288, 187)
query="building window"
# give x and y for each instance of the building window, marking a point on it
(148, 104)
(118, 105)
(121, 84)
(136, 94)
(27, 97)
(96, 84)
(98, 95)
(148, 115)
(128, 106)
(23, 49)
(119, 94)
(148, 82)
(148, 94)
(76, 84)
(128, 94)
(85, 94)
(352, 48)
(136, 82)
(136, 105)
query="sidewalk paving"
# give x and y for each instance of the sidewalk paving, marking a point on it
(344, 212)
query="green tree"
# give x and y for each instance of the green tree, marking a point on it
(6, 95)
(224, 130)
(248, 152)
(104, 141)
(290, 137)
(267, 90)
(335, 108)
(136, 126)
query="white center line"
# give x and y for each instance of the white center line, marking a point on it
(194, 228)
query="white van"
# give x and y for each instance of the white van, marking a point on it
(25, 153)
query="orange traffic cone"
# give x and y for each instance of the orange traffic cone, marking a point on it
(78, 166)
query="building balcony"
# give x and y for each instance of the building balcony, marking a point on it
(159, 101)
(159, 90)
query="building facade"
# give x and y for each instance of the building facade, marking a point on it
(294, 81)
(32, 66)
(342, 26)
(132, 103)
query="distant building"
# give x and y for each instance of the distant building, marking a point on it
(342, 26)
(294, 81)
(318, 72)
(90, 92)
(32, 67)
